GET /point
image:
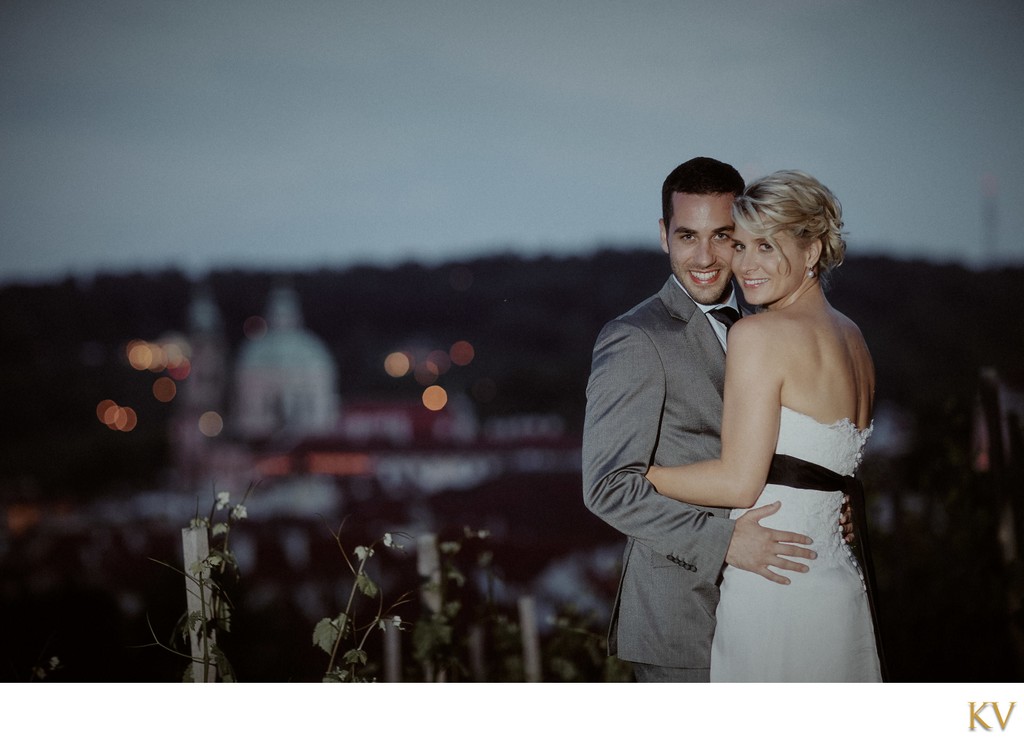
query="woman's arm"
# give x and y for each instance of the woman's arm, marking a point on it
(750, 427)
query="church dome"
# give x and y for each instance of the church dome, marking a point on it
(288, 350)
(286, 380)
(286, 343)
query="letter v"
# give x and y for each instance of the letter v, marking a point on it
(999, 716)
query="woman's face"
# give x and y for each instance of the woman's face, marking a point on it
(770, 270)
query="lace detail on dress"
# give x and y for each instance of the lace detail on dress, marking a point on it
(838, 446)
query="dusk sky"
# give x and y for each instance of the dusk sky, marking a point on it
(147, 135)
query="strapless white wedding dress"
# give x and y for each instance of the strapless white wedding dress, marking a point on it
(819, 627)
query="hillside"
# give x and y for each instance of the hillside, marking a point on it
(531, 321)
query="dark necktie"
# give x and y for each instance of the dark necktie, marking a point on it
(725, 315)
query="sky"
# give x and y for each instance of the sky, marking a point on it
(147, 134)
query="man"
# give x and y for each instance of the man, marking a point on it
(655, 396)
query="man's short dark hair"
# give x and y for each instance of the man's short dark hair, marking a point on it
(699, 176)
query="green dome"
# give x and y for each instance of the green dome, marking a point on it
(286, 350)
(286, 345)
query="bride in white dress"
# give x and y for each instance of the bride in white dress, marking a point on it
(800, 383)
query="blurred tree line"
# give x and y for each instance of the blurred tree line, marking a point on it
(947, 595)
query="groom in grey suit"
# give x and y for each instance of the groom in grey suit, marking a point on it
(655, 396)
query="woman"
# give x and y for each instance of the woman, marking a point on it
(799, 381)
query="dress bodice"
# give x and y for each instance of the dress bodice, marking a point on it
(838, 446)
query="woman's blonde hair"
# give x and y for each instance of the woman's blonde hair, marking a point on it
(794, 202)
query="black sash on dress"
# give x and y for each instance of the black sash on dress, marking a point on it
(791, 471)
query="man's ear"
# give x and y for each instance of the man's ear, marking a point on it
(664, 235)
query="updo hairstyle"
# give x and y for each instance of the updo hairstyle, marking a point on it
(794, 202)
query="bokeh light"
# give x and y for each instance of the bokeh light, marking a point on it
(140, 356)
(158, 357)
(118, 418)
(211, 424)
(180, 372)
(174, 353)
(435, 397)
(426, 372)
(164, 389)
(462, 353)
(103, 408)
(111, 416)
(21, 518)
(397, 364)
(127, 419)
(254, 327)
(441, 361)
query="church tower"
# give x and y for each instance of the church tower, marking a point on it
(201, 398)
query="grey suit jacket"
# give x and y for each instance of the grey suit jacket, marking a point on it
(655, 396)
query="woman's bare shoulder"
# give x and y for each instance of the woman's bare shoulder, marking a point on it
(766, 336)
(850, 330)
(773, 325)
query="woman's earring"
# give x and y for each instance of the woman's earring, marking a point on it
(810, 273)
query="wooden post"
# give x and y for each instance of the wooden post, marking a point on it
(476, 642)
(531, 639)
(195, 548)
(392, 653)
(428, 564)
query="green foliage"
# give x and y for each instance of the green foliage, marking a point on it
(44, 670)
(455, 619)
(433, 645)
(211, 575)
(464, 620)
(344, 630)
(440, 635)
(366, 586)
(575, 653)
(454, 613)
(355, 657)
(327, 632)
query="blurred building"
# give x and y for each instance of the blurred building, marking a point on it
(285, 379)
(271, 414)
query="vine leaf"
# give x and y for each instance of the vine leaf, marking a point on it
(366, 585)
(325, 634)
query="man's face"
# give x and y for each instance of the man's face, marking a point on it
(699, 244)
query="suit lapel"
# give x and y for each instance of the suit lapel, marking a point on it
(698, 336)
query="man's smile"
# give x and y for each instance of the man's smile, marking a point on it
(705, 277)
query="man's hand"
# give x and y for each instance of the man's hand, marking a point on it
(755, 547)
(846, 521)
